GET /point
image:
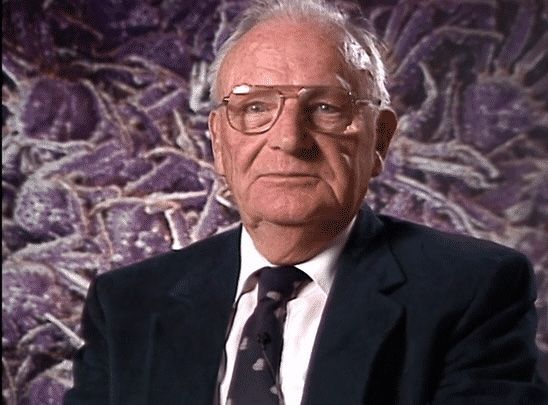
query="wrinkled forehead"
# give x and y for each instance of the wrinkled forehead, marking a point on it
(286, 52)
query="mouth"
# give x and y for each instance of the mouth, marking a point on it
(289, 179)
(288, 175)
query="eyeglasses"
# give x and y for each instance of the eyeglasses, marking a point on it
(254, 109)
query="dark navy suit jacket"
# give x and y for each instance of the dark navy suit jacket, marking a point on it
(415, 316)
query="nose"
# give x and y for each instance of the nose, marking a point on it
(289, 133)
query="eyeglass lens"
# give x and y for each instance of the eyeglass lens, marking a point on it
(324, 109)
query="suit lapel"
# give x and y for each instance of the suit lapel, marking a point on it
(189, 332)
(359, 321)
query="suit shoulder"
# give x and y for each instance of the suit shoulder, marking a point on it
(409, 233)
(452, 270)
(450, 252)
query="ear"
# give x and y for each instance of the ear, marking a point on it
(385, 128)
(214, 124)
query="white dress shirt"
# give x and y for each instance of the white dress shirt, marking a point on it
(303, 313)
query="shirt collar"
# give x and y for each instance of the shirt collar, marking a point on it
(321, 268)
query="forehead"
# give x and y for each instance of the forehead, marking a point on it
(287, 52)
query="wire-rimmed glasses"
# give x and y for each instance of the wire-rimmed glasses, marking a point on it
(254, 109)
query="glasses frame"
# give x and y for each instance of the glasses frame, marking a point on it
(292, 91)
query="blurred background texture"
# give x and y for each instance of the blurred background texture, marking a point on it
(106, 157)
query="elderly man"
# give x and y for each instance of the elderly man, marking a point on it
(313, 300)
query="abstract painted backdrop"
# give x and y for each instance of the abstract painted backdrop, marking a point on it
(106, 157)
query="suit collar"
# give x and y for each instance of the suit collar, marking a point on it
(212, 264)
(189, 333)
(359, 319)
(369, 239)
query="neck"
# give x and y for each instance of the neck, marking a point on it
(288, 245)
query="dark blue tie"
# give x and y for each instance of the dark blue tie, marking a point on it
(256, 370)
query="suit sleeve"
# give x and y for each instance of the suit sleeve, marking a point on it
(90, 363)
(492, 354)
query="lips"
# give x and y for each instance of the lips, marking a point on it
(287, 174)
(289, 179)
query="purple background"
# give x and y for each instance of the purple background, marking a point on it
(106, 159)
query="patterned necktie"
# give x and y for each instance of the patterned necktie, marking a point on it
(256, 370)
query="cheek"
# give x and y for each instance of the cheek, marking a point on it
(344, 158)
(228, 148)
(238, 154)
(230, 161)
(348, 167)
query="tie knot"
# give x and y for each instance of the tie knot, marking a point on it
(280, 283)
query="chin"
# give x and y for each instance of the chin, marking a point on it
(291, 206)
(285, 219)
(294, 215)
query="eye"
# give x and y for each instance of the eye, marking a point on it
(328, 108)
(256, 107)
(324, 108)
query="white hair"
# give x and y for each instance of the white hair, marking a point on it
(360, 48)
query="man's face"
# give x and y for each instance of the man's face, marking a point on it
(290, 175)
